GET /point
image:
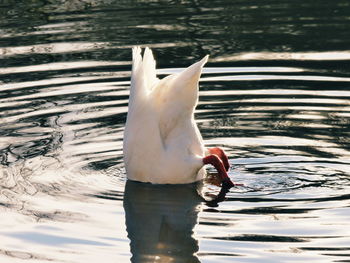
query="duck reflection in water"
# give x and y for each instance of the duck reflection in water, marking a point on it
(160, 221)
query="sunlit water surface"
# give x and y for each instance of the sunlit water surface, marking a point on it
(275, 95)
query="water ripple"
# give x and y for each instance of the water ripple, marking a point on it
(274, 94)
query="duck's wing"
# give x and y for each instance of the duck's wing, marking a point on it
(179, 98)
(189, 78)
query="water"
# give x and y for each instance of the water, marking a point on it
(275, 95)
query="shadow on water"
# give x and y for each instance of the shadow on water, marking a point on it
(275, 95)
(160, 221)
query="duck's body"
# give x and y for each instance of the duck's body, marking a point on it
(162, 143)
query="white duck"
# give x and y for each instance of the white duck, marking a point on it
(162, 143)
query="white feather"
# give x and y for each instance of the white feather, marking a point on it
(162, 143)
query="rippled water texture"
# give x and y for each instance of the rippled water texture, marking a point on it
(275, 95)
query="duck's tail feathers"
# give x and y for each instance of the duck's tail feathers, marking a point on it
(149, 66)
(137, 76)
(143, 76)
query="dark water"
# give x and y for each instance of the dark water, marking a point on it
(275, 95)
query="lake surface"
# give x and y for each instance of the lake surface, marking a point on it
(275, 95)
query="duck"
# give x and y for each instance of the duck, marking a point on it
(162, 143)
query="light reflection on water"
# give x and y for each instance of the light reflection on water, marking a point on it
(160, 221)
(275, 95)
